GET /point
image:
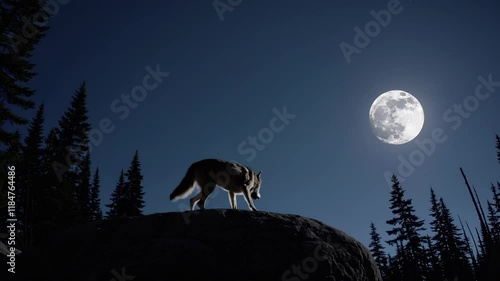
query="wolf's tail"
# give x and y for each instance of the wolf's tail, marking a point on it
(185, 187)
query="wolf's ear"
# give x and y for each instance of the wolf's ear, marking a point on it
(258, 175)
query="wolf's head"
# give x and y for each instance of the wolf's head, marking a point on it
(256, 187)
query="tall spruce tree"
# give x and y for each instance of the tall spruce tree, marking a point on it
(494, 220)
(70, 165)
(436, 226)
(118, 204)
(436, 223)
(31, 171)
(494, 213)
(494, 216)
(406, 232)
(452, 247)
(134, 194)
(19, 34)
(377, 250)
(73, 132)
(95, 201)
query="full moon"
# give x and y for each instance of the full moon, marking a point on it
(396, 117)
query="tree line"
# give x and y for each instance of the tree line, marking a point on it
(453, 252)
(54, 184)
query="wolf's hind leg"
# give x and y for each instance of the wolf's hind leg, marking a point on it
(232, 200)
(194, 200)
(206, 189)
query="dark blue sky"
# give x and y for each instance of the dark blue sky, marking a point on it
(226, 77)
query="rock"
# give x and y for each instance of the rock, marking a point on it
(202, 245)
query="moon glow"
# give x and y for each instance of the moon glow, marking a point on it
(396, 117)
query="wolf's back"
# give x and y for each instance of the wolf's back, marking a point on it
(186, 186)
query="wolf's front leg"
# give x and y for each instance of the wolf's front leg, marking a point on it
(246, 193)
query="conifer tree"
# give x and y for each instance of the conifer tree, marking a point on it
(95, 201)
(377, 251)
(69, 147)
(406, 232)
(436, 223)
(118, 204)
(452, 247)
(436, 226)
(494, 214)
(134, 194)
(494, 220)
(31, 174)
(73, 132)
(496, 195)
(19, 34)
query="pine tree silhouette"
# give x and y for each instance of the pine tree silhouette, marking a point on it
(16, 70)
(134, 193)
(494, 220)
(70, 165)
(436, 227)
(95, 201)
(406, 228)
(64, 171)
(377, 251)
(73, 131)
(452, 247)
(118, 204)
(31, 175)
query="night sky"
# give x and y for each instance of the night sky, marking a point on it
(275, 72)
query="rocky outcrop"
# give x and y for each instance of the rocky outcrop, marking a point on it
(201, 245)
